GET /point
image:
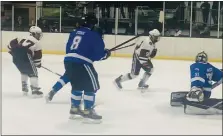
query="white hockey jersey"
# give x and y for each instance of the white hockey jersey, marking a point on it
(144, 48)
(31, 43)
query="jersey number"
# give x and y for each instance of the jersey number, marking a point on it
(76, 42)
(27, 43)
(144, 53)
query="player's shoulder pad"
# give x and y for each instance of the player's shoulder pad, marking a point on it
(195, 66)
(149, 41)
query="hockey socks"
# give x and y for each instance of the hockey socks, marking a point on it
(89, 99)
(76, 97)
(60, 83)
(144, 80)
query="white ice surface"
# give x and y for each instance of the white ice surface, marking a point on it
(124, 112)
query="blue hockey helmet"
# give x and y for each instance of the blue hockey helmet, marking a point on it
(89, 20)
(202, 57)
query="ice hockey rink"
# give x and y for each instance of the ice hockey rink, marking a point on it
(124, 112)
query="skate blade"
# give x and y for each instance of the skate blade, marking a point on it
(142, 89)
(117, 86)
(75, 117)
(36, 96)
(47, 99)
(91, 121)
(25, 93)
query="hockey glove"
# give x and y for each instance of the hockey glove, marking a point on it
(108, 54)
(196, 94)
(153, 53)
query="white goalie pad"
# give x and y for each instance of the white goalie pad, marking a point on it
(197, 108)
(198, 111)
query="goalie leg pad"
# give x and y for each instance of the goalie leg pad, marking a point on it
(207, 107)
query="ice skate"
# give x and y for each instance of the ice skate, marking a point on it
(142, 86)
(36, 93)
(91, 117)
(25, 89)
(50, 95)
(117, 82)
(75, 113)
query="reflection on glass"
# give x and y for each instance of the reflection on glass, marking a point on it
(24, 17)
(144, 16)
(177, 19)
(6, 17)
(71, 19)
(205, 24)
(221, 20)
(48, 19)
(126, 22)
(106, 18)
(148, 19)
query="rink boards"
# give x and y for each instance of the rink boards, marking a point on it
(171, 48)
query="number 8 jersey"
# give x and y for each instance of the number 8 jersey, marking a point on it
(84, 46)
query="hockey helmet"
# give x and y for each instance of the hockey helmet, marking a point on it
(154, 35)
(36, 32)
(99, 31)
(202, 57)
(89, 20)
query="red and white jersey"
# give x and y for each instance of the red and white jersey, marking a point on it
(144, 48)
(29, 42)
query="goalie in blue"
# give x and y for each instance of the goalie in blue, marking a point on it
(203, 74)
(204, 78)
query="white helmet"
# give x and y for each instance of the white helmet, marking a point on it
(154, 35)
(36, 32)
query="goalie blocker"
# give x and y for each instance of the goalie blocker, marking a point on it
(207, 107)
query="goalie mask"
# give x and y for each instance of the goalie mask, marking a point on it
(154, 35)
(202, 57)
(36, 32)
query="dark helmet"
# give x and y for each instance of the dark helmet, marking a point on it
(89, 20)
(202, 57)
(99, 31)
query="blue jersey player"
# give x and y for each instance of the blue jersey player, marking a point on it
(57, 87)
(63, 80)
(84, 46)
(203, 74)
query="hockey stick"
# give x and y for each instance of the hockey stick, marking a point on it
(51, 71)
(216, 84)
(112, 49)
(124, 47)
